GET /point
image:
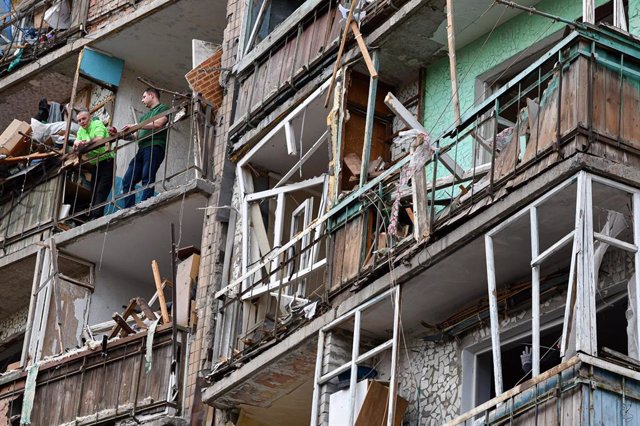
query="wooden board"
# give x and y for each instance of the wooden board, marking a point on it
(186, 277)
(374, 407)
(344, 252)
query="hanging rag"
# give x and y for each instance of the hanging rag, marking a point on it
(29, 394)
(148, 356)
(422, 153)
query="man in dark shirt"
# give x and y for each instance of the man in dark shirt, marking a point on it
(152, 139)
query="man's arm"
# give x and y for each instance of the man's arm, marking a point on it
(155, 124)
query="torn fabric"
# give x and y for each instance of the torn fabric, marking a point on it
(419, 157)
(29, 394)
(148, 356)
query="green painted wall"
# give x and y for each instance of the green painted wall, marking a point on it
(634, 17)
(507, 41)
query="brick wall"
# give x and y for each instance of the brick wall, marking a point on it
(214, 231)
(205, 79)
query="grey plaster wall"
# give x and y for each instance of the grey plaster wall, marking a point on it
(180, 150)
(113, 290)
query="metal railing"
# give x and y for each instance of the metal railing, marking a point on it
(183, 159)
(572, 98)
(25, 35)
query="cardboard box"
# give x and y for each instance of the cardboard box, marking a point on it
(12, 143)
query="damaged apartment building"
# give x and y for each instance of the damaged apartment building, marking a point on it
(369, 212)
(100, 306)
(434, 217)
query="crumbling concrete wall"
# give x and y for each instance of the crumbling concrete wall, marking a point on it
(13, 326)
(103, 12)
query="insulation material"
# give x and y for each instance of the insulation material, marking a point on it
(29, 394)
(58, 16)
(148, 356)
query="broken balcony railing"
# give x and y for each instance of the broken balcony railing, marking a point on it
(289, 292)
(125, 378)
(184, 157)
(32, 29)
(549, 111)
(582, 91)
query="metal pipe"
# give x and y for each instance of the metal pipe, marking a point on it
(174, 304)
(493, 313)
(355, 350)
(316, 386)
(535, 11)
(535, 294)
(393, 385)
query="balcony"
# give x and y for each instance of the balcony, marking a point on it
(571, 110)
(93, 386)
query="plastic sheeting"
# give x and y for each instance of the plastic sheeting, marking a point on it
(58, 16)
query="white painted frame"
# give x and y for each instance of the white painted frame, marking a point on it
(582, 284)
(357, 358)
(536, 260)
(247, 194)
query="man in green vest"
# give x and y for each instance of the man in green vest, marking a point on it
(152, 139)
(101, 158)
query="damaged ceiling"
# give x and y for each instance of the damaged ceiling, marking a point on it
(127, 246)
(159, 47)
(422, 38)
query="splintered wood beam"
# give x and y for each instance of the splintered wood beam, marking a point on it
(160, 292)
(373, 72)
(146, 310)
(409, 120)
(343, 41)
(122, 325)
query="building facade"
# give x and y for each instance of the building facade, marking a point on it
(385, 212)
(472, 261)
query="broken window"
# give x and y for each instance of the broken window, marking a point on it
(585, 233)
(60, 305)
(356, 366)
(263, 16)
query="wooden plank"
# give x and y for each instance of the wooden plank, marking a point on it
(340, 51)
(186, 277)
(122, 323)
(373, 72)
(451, 43)
(374, 407)
(160, 292)
(146, 310)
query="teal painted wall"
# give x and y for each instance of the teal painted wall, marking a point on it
(506, 41)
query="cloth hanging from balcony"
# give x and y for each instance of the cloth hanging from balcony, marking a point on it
(148, 356)
(422, 153)
(29, 394)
